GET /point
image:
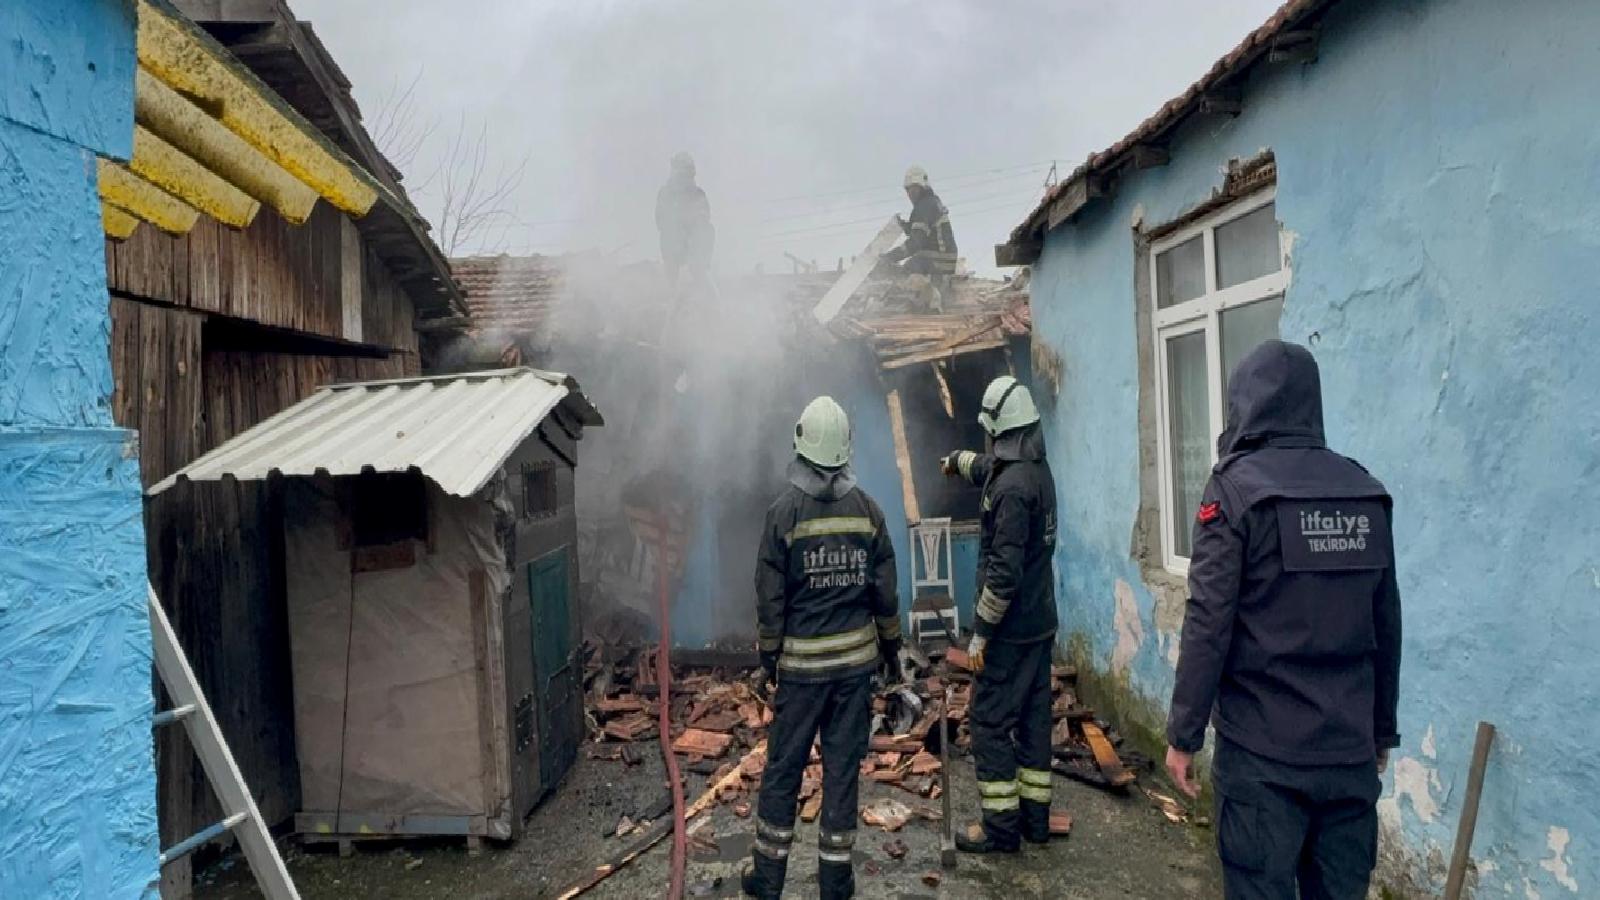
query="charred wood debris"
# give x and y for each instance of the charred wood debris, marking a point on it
(719, 719)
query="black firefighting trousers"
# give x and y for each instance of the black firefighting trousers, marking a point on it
(842, 712)
(1279, 826)
(1010, 714)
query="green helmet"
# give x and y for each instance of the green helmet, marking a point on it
(1007, 404)
(823, 433)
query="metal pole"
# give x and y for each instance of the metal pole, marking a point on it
(1469, 813)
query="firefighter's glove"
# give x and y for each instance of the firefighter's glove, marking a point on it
(959, 462)
(889, 662)
(769, 667)
(975, 652)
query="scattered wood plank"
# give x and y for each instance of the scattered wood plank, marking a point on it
(616, 706)
(892, 743)
(902, 456)
(812, 808)
(931, 355)
(1105, 756)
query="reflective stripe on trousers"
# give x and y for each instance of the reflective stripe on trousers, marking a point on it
(998, 796)
(1033, 784)
(834, 846)
(771, 841)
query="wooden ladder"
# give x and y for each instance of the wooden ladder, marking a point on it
(239, 811)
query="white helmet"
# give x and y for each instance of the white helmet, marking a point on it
(1007, 404)
(916, 175)
(823, 434)
(683, 162)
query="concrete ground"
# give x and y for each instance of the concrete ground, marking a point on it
(1120, 847)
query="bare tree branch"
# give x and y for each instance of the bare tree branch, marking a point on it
(474, 203)
(397, 129)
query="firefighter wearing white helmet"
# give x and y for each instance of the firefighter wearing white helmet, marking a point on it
(1015, 626)
(828, 617)
(929, 249)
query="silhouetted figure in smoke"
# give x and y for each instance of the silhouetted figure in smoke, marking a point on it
(683, 218)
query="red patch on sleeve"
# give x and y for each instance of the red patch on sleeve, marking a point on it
(1209, 512)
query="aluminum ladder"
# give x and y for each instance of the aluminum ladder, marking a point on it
(240, 814)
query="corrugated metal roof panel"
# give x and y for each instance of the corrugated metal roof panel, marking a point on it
(456, 430)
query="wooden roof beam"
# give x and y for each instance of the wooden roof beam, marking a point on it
(1295, 46)
(1222, 101)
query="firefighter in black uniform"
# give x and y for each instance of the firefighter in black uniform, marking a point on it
(829, 618)
(1015, 626)
(929, 249)
(1291, 643)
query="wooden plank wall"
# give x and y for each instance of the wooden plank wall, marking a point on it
(272, 272)
(215, 550)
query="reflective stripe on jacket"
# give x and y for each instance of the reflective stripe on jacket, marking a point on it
(826, 588)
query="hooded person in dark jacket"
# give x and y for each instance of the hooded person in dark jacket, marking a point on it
(1015, 627)
(828, 617)
(1291, 642)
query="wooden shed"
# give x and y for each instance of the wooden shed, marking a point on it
(429, 544)
(257, 246)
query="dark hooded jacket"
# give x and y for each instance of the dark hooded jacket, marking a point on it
(826, 589)
(1291, 641)
(1016, 538)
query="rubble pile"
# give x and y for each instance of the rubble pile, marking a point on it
(719, 716)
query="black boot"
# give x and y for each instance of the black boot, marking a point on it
(759, 884)
(974, 839)
(836, 881)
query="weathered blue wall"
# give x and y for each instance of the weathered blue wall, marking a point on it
(1438, 169)
(77, 777)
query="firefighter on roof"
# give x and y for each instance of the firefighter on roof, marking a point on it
(929, 250)
(1014, 631)
(828, 619)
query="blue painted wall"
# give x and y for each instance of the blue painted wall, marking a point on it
(77, 777)
(1438, 169)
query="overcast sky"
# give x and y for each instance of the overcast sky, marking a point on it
(801, 114)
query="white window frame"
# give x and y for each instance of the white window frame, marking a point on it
(1202, 313)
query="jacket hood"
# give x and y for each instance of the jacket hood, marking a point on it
(1025, 443)
(1274, 399)
(820, 483)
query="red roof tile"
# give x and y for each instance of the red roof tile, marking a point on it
(509, 293)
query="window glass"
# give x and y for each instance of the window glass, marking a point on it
(1244, 327)
(1247, 247)
(1188, 431)
(1181, 273)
